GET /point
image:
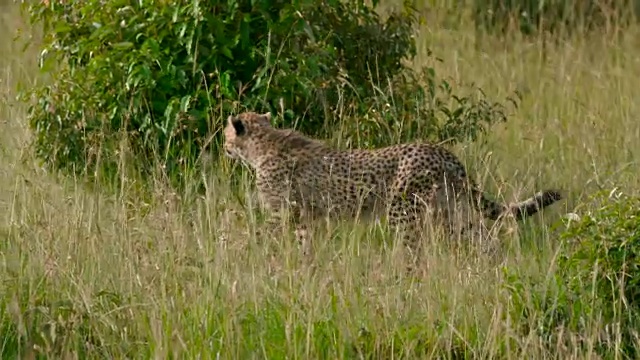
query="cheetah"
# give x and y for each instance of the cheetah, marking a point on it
(316, 180)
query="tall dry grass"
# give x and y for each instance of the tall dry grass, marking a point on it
(88, 275)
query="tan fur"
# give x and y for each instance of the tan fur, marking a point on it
(317, 180)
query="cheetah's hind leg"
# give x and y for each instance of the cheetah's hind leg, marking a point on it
(406, 211)
(453, 212)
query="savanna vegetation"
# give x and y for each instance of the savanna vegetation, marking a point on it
(126, 234)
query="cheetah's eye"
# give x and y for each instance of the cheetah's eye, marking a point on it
(238, 126)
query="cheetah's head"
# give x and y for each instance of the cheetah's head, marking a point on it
(240, 135)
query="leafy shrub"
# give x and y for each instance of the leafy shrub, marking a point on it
(597, 280)
(603, 256)
(531, 16)
(155, 80)
(419, 104)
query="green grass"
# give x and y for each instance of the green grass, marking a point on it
(87, 275)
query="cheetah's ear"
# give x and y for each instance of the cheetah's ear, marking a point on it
(238, 126)
(267, 116)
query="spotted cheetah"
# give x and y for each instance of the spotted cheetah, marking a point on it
(316, 180)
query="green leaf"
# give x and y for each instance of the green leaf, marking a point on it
(123, 45)
(184, 103)
(226, 52)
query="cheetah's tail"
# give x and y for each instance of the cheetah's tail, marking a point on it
(519, 210)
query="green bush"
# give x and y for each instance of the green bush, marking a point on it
(154, 81)
(603, 253)
(597, 282)
(532, 16)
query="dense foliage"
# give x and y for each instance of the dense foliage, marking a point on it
(150, 82)
(598, 277)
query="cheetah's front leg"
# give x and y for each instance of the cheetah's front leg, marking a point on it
(301, 220)
(295, 219)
